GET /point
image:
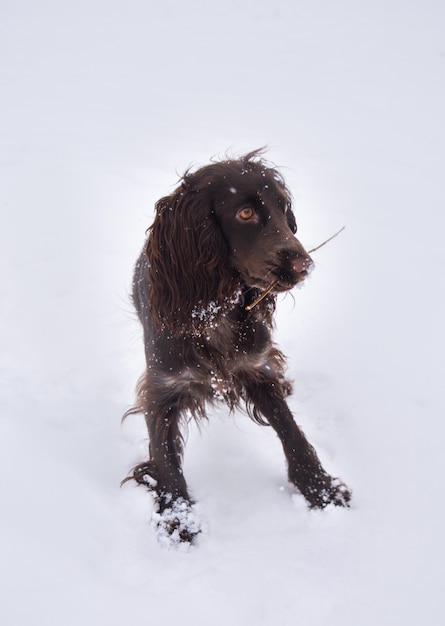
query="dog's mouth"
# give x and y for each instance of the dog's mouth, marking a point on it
(284, 279)
(280, 279)
(276, 286)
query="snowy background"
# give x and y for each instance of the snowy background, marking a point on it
(103, 104)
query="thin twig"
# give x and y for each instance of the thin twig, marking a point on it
(262, 295)
(327, 241)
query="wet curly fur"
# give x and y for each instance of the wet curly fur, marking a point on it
(216, 243)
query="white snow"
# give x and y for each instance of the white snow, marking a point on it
(103, 104)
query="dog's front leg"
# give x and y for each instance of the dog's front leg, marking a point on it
(174, 517)
(304, 468)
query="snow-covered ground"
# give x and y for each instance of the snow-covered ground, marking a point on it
(103, 104)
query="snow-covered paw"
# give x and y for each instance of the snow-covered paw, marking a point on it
(177, 525)
(333, 492)
(340, 493)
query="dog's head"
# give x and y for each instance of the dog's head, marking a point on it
(253, 208)
(228, 223)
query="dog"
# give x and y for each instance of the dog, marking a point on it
(220, 249)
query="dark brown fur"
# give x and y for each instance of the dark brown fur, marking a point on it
(202, 265)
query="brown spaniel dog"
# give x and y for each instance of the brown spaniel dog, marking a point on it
(222, 238)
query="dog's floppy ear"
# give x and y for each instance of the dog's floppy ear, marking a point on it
(188, 261)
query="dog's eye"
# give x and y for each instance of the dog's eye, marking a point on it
(246, 213)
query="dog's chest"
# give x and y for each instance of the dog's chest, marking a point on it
(233, 349)
(220, 362)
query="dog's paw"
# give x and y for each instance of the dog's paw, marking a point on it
(177, 525)
(331, 491)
